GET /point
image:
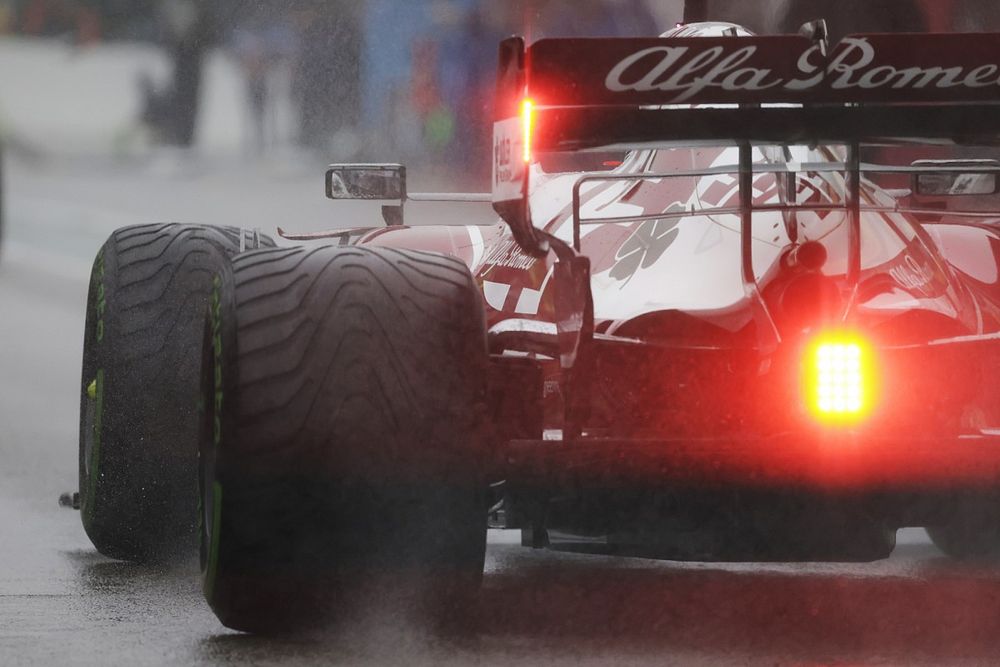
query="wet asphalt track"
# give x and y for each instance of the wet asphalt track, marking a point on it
(61, 603)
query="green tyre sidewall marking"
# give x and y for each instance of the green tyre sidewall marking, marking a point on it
(93, 463)
(215, 317)
(213, 549)
(95, 453)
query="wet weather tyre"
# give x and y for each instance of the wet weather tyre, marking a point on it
(344, 447)
(972, 534)
(146, 306)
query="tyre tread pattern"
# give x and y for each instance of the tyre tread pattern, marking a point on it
(156, 284)
(352, 434)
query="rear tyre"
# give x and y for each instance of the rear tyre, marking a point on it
(139, 394)
(343, 448)
(973, 533)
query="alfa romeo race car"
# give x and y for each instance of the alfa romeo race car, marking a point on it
(736, 307)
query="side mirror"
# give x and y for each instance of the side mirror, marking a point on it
(957, 178)
(372, 182)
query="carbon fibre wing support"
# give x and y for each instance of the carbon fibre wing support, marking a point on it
(386, 182)
(574, 333)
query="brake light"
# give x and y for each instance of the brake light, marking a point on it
(840, 378)
(527, 124)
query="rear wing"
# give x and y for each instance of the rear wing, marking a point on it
(580, 94)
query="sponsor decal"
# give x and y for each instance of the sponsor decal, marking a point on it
(912, 275)
(508, 167)
(690, 72)
(508, 255)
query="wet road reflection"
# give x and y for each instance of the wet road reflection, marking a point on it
(542, 607)
(916, 606)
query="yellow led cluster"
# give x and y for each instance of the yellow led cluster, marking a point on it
(840, 378)
(840, 382)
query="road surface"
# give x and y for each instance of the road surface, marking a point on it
(61, 603)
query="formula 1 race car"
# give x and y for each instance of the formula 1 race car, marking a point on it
(735, 309)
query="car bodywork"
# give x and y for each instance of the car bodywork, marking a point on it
(653, 314)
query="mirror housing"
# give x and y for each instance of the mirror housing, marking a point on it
(957, 178)
(369, 182)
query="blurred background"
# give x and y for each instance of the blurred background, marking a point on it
(300, 82)
(116, 112)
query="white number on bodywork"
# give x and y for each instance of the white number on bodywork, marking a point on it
(508, 162)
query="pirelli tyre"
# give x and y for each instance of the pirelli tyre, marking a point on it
(149, 291)
(972, 531)
(343, 446)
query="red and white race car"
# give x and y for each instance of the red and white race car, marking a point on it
(712, 324)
